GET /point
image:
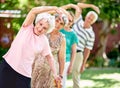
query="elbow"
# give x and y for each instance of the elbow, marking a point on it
(49, 57)
(33, 10)
(62, 61)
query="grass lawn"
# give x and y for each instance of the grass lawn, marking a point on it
(98, 78)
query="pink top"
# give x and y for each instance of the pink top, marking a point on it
(25, 47)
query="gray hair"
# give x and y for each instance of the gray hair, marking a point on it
(94, 13)
(50, 19)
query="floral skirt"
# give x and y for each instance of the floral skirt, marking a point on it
(42, 76)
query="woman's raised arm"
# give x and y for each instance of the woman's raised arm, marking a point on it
(36, 10)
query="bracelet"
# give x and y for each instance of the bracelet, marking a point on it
(61, 76)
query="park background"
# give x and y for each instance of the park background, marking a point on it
(103, 65)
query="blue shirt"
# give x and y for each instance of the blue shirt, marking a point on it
(71, 38)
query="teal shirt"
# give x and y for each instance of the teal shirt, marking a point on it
(71, 38)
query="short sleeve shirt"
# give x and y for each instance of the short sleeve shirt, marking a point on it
(86, 36)
(24, 49)
(71, 38)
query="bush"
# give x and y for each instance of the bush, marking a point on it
(96, 62)
(2, 52)
(113, 56)
(99, 62)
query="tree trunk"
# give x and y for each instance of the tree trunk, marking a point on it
(103, 41)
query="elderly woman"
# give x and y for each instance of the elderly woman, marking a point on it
(30, 42)
(71, 46)
(42, 74)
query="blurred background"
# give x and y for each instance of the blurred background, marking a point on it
(105, 55)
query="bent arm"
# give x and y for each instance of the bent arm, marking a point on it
(36, 10)
(78, 10)
(84, 5)
(79, 7)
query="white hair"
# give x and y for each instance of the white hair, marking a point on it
(50, 19)
(94, 13)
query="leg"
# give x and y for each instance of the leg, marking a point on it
(65, 74)
(22, 81)
(7, 76)
(76, 70)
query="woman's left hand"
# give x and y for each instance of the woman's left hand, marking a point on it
(57, 78)
(58, 81)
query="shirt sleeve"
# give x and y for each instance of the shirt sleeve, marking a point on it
(90, 43)
(74, 38)
(78, 19)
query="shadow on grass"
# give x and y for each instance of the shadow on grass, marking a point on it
(99, 78)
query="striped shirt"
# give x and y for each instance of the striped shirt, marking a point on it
(86, 36)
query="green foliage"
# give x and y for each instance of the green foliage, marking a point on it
(9, 5)
(114, 60)
(99, 61)
(95, 61)
(113, 54)
(110, 9)
(59, 2)
(98, 78)
(118, 63)
(114, 63)
(2, 52)
(113, 31)
(16, 24)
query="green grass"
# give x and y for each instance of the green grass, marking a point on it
(98, 78)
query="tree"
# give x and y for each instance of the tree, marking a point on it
(110, 17)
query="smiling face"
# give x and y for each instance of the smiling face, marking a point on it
(41, 27)
(89, 19)
(59, 23)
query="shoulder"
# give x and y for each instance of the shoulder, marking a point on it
(62, 35)
(73, 32)
(80, 18)
(31, 26)
(78, 24)
(91, 31)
